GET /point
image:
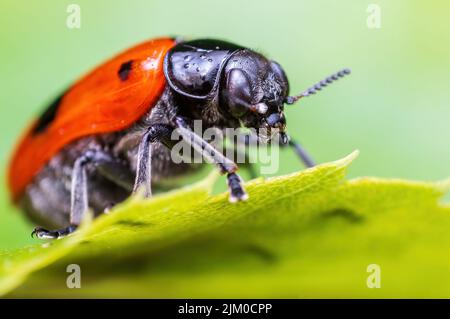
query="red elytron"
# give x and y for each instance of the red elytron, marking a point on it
(98, 103)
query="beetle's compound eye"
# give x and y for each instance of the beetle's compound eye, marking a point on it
(238, 92)
(279, 72)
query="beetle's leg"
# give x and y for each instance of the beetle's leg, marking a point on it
(251, 139)
(43, 233)
(79, 194)
(156, 133)
(225, 165)
(115, 170)
(302, 153)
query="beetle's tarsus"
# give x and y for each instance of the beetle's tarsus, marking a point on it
(302, 154)
(43, 233)
(237, 192)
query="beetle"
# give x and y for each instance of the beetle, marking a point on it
(109, 134)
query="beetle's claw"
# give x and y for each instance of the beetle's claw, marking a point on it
(238, 196)
(237, 192)
(43, 233)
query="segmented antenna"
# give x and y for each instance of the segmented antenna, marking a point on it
(319, 86)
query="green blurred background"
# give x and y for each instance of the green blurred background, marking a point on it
(394, 108)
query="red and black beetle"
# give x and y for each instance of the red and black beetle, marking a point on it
(110, 132)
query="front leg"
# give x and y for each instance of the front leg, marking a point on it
(225, 165)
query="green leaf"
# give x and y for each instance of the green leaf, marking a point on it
(308, 234)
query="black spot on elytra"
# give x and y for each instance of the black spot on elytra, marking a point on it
(124, 70)
(48, 116)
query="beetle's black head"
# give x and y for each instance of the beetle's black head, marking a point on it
(254, 90)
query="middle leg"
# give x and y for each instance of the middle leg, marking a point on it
(162, 133)
(225, 165)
